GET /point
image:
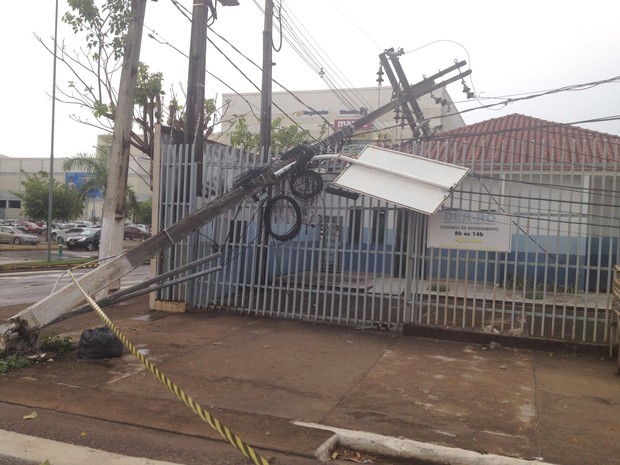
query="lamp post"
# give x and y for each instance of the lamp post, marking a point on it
(50, 200)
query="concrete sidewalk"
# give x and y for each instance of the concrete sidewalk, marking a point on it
(286, 388)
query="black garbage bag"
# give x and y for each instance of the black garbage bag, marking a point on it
(99, 343)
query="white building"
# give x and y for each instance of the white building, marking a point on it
(13, 172)
(316, 110)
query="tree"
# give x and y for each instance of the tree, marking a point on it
(282, 137)
(143, 212)
(95, 68)
(68, 203)
(95, 165)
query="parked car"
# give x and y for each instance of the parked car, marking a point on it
(29, 227)
(67, 230)
(135, 232)
(88, 239)
(15, 236)
(61, 235)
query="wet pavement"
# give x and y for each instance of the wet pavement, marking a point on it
(283, 386)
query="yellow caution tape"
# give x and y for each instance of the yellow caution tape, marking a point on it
(247, 450)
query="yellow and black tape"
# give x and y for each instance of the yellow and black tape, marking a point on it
(247, 450)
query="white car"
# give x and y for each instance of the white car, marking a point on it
(15, 236)
(68, 230)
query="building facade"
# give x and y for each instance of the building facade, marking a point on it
(14, 170)
(320, 112)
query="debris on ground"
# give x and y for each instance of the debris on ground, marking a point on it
(352, 456)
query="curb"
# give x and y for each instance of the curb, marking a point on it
(38, 450)
(400, 448)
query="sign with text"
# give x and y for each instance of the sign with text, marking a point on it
(340, 123)
(455, 229)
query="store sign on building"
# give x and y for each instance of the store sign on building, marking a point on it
(343, 122)
(455, 229)
(310, 113)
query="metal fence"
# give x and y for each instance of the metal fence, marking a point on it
(366, 262)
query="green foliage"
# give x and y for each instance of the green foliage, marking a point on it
(143, 212)
(534, 290)
(439, 288)
(148, 85)
(242, 137)
(12, 362)
(103, 25)
(176, 115)
(210, 110)
(56, 344)
(282, 137)
(44, 264)
(68, 204)
(105, 29)
(149, 91)
(101, 109)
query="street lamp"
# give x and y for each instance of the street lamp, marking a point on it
(50, 200)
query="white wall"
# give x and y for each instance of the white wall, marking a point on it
(336, 108)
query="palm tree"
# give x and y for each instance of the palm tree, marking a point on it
(97, 166)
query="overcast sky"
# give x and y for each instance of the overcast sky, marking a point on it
(515, 49)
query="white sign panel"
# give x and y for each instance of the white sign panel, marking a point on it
(455, 229)
(414, 182)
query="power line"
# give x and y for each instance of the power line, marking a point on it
(571, 88)
(308, 54)
(258, 88)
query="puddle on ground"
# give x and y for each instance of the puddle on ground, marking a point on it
(149, 317)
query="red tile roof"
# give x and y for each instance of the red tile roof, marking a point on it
(518, 139)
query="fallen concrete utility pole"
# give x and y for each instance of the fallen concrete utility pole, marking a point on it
(161, 281)
(22, 332)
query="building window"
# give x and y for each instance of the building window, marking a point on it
(2, 203)
(15, 204)
(378, 225)
(355, 224)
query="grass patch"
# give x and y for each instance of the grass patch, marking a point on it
(58, 345)
(51, 346)
(536, 295)
(12, 362)
(43, 264)
(440, 288)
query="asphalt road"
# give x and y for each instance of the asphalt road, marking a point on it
(31, 286)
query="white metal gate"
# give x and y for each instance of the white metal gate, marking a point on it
(365, 262)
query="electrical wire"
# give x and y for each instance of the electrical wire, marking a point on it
(162, 41)
(292, 94)
(307, 51)
(290, 118)
(282, 202)
(510, 100)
